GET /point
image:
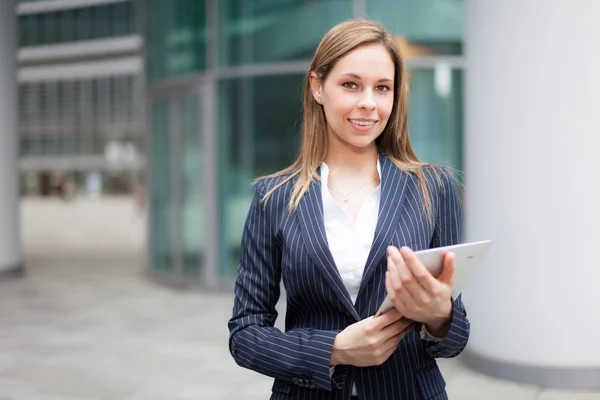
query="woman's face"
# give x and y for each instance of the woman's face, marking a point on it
(357, 96)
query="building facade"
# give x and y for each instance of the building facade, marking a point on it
(81, 86)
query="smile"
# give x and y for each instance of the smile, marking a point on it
(362, 122)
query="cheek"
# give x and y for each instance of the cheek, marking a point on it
(339, 108)
(385, 108)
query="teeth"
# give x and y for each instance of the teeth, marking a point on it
(364, 123)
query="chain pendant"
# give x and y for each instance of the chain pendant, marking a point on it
(346, 195)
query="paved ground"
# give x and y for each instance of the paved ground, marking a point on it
(88, 325)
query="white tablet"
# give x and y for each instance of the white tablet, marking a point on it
(467, 257)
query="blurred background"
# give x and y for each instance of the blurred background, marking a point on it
(130, 131)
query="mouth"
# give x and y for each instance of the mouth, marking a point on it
(366, 122)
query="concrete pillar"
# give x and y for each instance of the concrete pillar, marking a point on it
(10, 247)
(532, 179)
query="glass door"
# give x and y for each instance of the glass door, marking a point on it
(177, 226)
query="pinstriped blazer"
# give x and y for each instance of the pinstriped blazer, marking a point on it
(277, 244)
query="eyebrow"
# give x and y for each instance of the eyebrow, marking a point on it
(355, 76)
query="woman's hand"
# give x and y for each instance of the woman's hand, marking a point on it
(370, 341)
(416, 293)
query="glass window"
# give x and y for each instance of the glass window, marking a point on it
(436, 115)
(48, 27)
(23, 98)
(65, 27)
(431, 27)
(275, 30)
(84, 28)
(178, 230)
(176, 38)
(193, 218)
(123, 18)
(83, 23)
(102, 21)
(259, 122)
(160, 217)
(28, 30)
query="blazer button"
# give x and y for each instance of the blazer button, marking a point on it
(295, 381)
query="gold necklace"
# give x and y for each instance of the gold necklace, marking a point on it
(348, 194)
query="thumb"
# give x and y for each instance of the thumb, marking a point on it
(447, 275)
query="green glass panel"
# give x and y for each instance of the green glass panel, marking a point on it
(176, 38)
(430, 26)
(123, 18)
(160, 211)
(436, 115)
(83, 28)
(193, 218)
(48, 27)
(66, 27)
(82, 23)
(275, 30)
(26, 30)
(259, 125)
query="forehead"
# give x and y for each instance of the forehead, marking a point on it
(372, 60)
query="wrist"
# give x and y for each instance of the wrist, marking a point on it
(336, 356)
(440, 325)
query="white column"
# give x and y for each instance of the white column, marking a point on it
(10, 247)
(532, 180)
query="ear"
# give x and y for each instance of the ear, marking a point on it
(316, 87)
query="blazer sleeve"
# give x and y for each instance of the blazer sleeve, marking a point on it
(447, 232)
(300, 356)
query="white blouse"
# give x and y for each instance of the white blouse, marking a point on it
(350, 241)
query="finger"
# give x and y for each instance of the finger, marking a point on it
(391, 345)
(397, 327)
(388, 318)
(400, 274)
(395, 289)
(396, 337)
(406, 327)
(414, 295)
(418, 270)
(407, 330)
(447, 275)
(394, 278)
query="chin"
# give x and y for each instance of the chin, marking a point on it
(362, 142)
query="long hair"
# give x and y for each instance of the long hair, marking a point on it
(394, 141)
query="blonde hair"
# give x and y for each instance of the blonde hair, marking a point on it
(339, 41)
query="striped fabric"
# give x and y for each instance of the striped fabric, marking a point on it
(277, 244)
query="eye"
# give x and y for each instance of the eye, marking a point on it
(383, 88)
(350, 85)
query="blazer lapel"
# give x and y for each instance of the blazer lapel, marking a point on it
(312, 228)
(393, 193)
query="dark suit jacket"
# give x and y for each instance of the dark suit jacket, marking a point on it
(277, 243)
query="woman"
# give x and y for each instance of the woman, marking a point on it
(332, 225)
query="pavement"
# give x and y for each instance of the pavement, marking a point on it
(87, 323)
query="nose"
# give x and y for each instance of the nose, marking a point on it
(367, 101)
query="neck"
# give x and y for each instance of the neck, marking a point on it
(352, 160)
